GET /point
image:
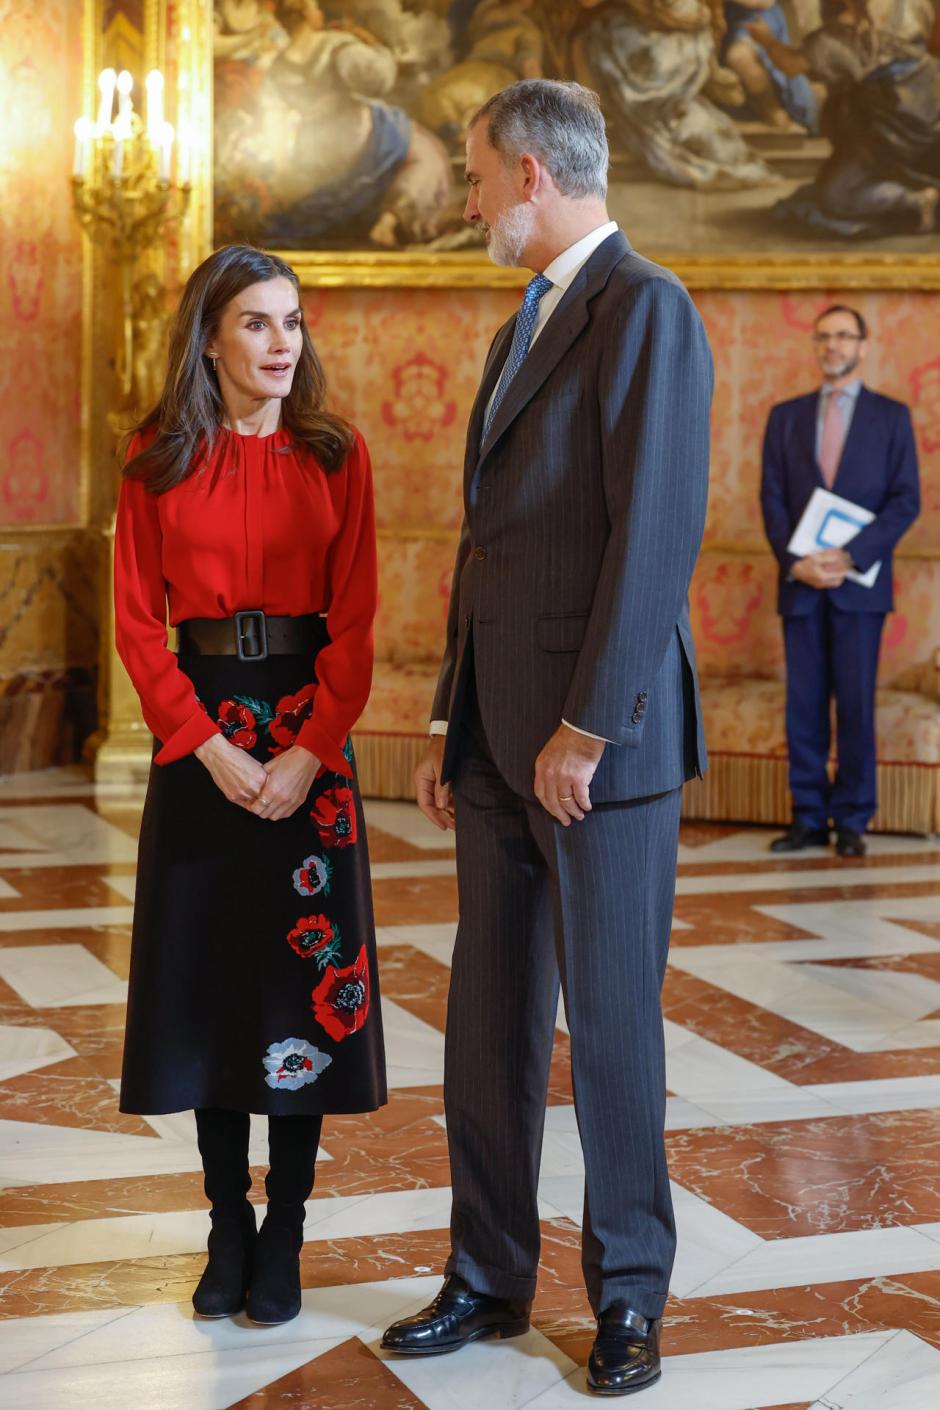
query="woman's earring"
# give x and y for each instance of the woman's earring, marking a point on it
(213, 357)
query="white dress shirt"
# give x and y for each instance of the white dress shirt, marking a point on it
(562, 271)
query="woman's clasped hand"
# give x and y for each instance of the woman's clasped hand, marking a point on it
(272, 791)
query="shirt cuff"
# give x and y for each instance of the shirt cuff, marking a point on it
(314, 738)
(197, 729)
(437, 727)
(587, 732)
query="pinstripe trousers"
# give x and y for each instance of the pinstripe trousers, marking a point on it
(589, 906)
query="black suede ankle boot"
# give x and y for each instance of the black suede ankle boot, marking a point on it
(223, 1145)
(274, 1295)
(223, 1287)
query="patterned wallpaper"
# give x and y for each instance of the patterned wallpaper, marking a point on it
(404, 364)
(40, 262)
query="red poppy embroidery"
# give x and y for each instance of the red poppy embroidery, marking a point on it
(315, 935)
(341, 999)
(334, 814)
(290, 713)
(238, 723)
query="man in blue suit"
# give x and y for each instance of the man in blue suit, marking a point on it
(860, 445)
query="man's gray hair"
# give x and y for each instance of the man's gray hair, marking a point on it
(559, 123)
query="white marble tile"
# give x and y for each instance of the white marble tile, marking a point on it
(77, 918)
(206, 1380)
(880, 1094)
(699, 1067)
(129, 1236)
(25, 1339)
(740, 1378)
(414, 1049)
(71, 779)
(41, 1154)
(497, 1375)
(752, 845)
(826, 1258)
(407, 822)
(8, 891)
(436, 941)
(53, 976)
(709, 1241)
(904, 1374)
(910, 996)
(163, 1332)
(124, 886)
(24, 1049)
(793, 1104)
(60, 835)
(801, 879)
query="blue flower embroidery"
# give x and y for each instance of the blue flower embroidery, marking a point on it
(313, 876)
(293, 1064)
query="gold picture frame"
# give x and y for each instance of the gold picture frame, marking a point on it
(856, 268)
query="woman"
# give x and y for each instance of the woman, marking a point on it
(248, 508)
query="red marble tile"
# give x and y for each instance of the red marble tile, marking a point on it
(383, 847)
(429, 900)
(61, 888)
(68, 1093)
(816, 1177)
(347, 1378)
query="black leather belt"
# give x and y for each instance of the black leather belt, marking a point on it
(251, 636)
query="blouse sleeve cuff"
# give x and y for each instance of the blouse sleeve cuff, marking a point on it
(312, 736)
(197, 729)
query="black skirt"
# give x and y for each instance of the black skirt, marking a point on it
(253, 981)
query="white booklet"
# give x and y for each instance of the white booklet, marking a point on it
(829, 521)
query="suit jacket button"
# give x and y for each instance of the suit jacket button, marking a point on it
(636, 717)
(479, 552)
(643, 697)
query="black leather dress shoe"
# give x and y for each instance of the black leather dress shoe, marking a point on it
(798, 836)
(457, 1315)
(625, 1354)
(849, 843)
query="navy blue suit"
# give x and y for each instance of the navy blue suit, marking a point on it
(832, 637)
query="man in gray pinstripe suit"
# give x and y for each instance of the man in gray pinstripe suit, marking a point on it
(568, 719)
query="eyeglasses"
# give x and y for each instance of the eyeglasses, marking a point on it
(837, 338)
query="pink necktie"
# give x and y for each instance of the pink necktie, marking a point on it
(833, 436)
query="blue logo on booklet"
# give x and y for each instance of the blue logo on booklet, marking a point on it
(833, 517)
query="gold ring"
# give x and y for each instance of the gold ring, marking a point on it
(262, 800)
(565, 797)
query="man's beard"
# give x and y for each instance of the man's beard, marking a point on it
(510, 233)
(834, 374)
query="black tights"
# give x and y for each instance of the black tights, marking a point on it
(292, 1149)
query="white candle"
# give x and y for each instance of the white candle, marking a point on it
(122, 133)
(166, 148)
(124, 85)
(154, 85)
(106, 81)
(83, 135)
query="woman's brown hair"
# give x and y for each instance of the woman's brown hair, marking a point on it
(190, 410)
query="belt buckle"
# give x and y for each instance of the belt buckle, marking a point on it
(256, 623)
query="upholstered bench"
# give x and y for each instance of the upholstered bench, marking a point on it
(740, 652)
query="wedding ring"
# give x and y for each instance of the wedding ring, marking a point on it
(262, 800)
(565, 797)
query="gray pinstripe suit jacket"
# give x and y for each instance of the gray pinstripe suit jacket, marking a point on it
(584, 511)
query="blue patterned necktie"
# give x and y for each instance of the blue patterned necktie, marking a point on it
(521, 342)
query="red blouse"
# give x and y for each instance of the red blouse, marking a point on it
(259, 526)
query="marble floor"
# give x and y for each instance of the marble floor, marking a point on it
(803, 1031)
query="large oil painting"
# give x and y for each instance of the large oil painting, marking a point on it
(760, 127)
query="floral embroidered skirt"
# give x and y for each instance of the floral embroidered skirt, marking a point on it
(253, 980)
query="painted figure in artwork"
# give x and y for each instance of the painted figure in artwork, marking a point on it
(881, 115)
(379, 173)
(771, 95)
(503, 42)
(650, 61)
